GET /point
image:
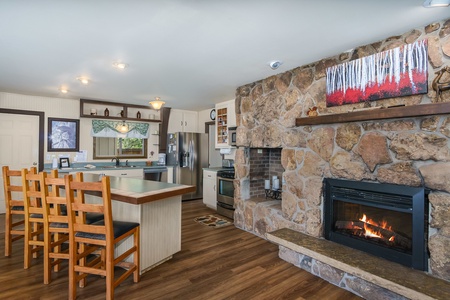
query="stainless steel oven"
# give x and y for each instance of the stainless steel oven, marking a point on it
(225, 193)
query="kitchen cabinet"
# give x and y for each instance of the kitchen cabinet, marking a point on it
(209, 189)
(183, 121)
(117, 111)
(130, 173)
(225, 117)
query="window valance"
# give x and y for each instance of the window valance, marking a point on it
(102, 128)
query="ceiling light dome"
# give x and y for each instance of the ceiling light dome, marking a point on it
(83, 80)
(120, 65)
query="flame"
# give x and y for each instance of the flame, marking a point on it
(371, 233)
(375, 233)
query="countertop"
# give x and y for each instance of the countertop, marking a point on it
(213, 169)
(139, 191)
(105, 168)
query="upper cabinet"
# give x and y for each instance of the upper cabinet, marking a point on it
(183, 121)
(225, 117)
(117, 111)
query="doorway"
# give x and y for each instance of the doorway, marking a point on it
(21, 142)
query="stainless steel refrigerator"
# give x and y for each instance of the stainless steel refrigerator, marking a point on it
(188, 153)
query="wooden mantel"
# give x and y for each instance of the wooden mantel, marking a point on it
(378, 114)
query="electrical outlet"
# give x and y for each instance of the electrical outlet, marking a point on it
(48, 157)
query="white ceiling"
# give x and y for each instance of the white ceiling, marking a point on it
(191, 53)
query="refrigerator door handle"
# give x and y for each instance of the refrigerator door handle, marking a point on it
(191, 156)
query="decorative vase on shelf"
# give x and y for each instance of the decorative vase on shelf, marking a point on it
(106, 112)
(138, 115)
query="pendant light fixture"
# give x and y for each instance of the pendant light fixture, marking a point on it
(157, 103)
(123, 128)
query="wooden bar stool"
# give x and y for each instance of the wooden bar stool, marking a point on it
(12, 185)
(106, 234)
(34, 215)
(56, 223)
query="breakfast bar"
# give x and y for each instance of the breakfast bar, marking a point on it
(156, 206)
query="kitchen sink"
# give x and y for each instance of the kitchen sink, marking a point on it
(116, 167)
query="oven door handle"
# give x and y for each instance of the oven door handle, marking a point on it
(225, 179)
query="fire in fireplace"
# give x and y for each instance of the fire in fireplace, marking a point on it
(386, 220)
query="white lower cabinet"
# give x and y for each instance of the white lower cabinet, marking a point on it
(209, 189)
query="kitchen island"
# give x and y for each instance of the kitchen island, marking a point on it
(154, 205)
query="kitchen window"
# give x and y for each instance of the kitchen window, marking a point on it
(105, 147)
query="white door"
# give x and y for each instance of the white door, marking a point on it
(19, 144)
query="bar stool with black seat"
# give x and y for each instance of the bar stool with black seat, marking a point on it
(105, 234)
(34, 215)
(56, 223)
(12, 186)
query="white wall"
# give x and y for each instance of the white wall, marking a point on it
(203, 117)
(64, 108)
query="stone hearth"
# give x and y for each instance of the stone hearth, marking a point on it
(409, 151)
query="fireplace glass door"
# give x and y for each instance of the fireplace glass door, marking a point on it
(373, 225)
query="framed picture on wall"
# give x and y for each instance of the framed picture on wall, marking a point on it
(63, 135)
(64, 162)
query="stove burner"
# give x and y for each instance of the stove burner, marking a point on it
(226, 173)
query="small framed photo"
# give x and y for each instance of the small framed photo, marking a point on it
(64, 162)
(63, 135)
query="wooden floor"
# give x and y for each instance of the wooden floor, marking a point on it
(214, 263)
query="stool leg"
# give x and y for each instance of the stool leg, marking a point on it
(8, 236)
(136, 258)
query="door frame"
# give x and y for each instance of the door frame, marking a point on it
(41, 116)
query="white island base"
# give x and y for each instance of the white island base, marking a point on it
(160, 234)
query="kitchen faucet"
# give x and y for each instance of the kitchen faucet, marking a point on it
(117, 161)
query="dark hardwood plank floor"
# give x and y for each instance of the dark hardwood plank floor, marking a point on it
(214, 263)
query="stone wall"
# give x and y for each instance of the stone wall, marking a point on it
(409, 151)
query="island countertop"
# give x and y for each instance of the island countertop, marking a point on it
(138, 191)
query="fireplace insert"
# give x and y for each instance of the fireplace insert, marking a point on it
(386, 220)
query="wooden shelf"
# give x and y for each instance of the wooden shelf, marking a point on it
(378, 114)
(118, 106)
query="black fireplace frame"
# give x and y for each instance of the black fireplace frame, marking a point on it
(402, 198)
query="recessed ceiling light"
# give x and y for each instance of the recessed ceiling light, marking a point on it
(63, 90)
(119, 65)
(436, 3)
(83, 80)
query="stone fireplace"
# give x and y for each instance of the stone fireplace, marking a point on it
(410, 151)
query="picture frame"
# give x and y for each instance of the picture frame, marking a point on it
(64, 162)
(63, 135)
